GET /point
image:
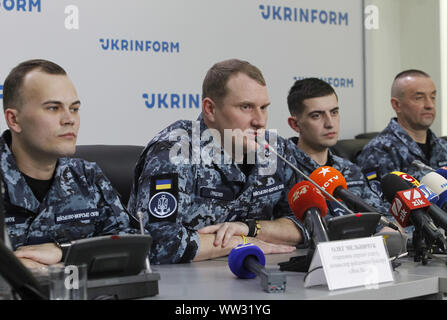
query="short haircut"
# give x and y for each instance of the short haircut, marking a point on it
(12, 95)
(411, 72)
(306, 89)
(396, 88)
(215, 83)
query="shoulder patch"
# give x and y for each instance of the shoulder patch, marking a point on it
(163, 203)
(371, 173)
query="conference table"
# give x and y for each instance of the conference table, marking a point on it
(213, 280)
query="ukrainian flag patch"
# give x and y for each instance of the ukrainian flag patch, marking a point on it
(163, 184)
(371, 175)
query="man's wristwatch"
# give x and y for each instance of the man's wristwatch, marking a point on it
(253, 227)
(64, 247)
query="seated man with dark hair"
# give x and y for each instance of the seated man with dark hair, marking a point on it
(50, 199)
(314, 110)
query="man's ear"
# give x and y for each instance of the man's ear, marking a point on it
(395, 103)
(209, 109)
(293, 123)
(12, 120)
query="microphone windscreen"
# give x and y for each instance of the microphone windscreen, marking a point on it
(328, 178)
(442, 171)
(391, 184)
(435, 181)
(407, 177)
(303, 196)
(438, 184)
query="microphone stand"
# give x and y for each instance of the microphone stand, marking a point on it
(420, 247)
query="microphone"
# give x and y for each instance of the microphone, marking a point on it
(409, 206)
(264, 143)
(438, 184)
(428, 193)
(438, 215)
(407, 177)
(247, 261)
(140, 220)
(309, 206)
(442, 171)
(333, 182)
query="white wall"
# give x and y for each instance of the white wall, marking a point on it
(111, 83)
(408, 38)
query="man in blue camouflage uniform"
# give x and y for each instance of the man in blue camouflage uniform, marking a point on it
(314, 109)
(50, 199)
(198, 195)
(407, 137)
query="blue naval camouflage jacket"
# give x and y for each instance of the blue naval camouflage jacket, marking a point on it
(394, 150)
(355, 179)
(178, 196)
(80, 203)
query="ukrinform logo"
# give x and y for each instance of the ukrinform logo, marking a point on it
(206, 148)
(21, 5)
(172, 100)
(130, 45)
(303, 15)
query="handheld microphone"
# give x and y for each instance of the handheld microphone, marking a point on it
(442, 171)
(264, 143)
(438, 215)
(408, 207)
(438, 184)
(247, 261)
(333, 181)
(407, 177)
(309, 206)
(424, 188)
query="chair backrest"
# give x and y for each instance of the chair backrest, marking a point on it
(367, 135)
(116, 161)
(349, 148)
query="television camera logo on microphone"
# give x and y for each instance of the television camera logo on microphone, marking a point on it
(327, 183)
(299, 192)
(324, 170)
(303, 190)
(416, 198)
(406, 201)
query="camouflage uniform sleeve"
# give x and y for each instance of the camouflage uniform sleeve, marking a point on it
(379, 160)
(172, 241)
(114, 217)
(368, 192)
(282, 209)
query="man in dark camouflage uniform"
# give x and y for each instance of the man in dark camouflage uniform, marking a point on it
(198, 195)
(407, 137)
(50, 199)
(314, 109)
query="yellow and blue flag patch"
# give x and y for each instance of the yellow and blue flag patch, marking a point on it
(163, 184)
(371, 175)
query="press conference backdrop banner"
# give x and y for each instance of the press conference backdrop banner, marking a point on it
(138, 65)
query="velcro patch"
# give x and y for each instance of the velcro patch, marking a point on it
(163, 203)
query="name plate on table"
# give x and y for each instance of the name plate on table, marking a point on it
(350, 263)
